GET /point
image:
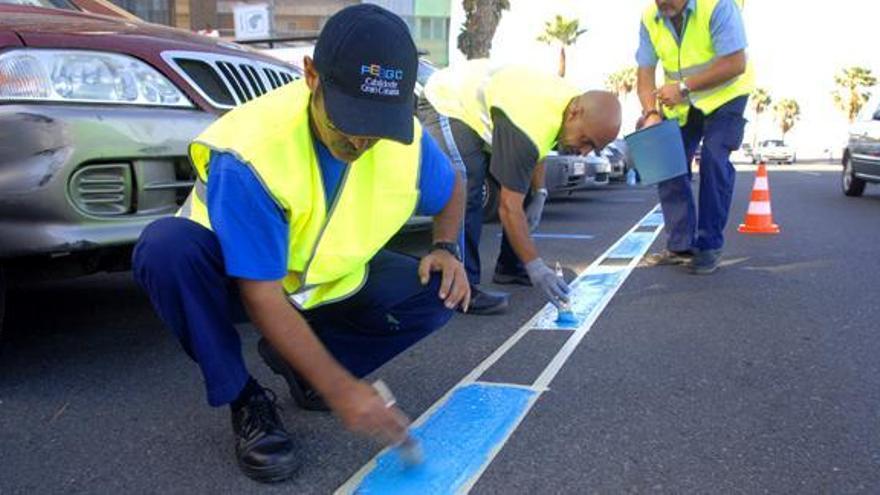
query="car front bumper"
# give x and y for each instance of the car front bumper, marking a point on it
(572, 172)
(782, 157)
(76, 178)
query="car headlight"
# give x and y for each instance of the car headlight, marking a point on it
(84, 76)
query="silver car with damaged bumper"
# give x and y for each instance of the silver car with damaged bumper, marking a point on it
(96, 114)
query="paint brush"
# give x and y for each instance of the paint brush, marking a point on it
(564, 315)
(410, 450)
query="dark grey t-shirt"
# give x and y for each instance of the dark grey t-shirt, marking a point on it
(514, 156)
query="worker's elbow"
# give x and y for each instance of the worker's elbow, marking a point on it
(506, 209)
(509, 207)
(737, 64)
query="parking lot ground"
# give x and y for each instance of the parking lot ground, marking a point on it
(762, 377)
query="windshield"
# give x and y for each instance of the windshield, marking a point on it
(773, 144)
(57, 4)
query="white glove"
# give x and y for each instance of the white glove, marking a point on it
(535, 209)
(542, 276)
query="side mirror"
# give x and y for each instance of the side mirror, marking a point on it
(877, 115)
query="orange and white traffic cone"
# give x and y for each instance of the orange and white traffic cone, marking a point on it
(759, 219)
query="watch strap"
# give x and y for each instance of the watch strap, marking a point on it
(450, 247)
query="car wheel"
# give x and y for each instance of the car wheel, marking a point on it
(852, 185)
(491, 196)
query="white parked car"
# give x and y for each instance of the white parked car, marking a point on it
(774, 150)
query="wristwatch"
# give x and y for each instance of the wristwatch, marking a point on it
(450, 247)
(684, 89)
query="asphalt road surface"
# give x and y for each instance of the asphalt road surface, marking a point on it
(762, 378)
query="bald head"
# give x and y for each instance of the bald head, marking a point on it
(591, 121)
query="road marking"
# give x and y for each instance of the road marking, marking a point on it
(814, 174)
(541, 235)
(458, 439)
(463, 431)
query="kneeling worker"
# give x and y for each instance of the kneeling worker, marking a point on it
(503, 121)
(298, 192)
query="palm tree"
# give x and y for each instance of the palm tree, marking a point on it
(562, 31)
(851, 97)
(481, 20)
(760, 100)
(622, 82)
(787, 114)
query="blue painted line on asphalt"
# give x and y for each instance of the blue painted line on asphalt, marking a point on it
(587, 294)
(457, 439)
(653, 220)
(632, 245)
(464, 431)
(539, 235)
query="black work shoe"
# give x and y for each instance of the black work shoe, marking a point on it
(303, 394)
(487, 302)
(263, 447)
(705, 262)
(667, 257)
(503, 278)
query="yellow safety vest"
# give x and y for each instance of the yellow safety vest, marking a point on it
(694, 55)
(533, 101)
(328, 252)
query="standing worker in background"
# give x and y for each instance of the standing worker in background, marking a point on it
(297, 193)
(701, 45)
(503, 121)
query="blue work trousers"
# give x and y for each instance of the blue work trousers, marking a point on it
(180, 265)
(721, 133)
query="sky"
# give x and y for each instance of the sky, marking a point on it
(795, 45)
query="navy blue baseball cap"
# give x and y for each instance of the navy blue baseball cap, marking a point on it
(367, 62)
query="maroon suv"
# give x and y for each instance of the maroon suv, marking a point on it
(96, 112)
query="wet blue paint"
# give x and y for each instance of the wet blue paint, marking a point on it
(587, 292)
(566, 319)
(634, 244)
(457, 440)
(654, 220)
(538, 235)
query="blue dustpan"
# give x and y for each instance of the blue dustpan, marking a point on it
(658, 152)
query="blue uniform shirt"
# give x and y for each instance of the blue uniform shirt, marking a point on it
(726, 24)
(252, 229)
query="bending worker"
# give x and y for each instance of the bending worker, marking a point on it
(503, 121)
(297, 193)
(701, 45)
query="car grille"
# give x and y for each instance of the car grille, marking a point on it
(226, 81)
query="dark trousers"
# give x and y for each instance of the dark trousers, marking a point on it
(468, 148)
(701, 226)
(180, 265)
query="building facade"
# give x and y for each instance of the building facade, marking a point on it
(428, 19)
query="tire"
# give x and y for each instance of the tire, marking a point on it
(491, 198)
(851, 185)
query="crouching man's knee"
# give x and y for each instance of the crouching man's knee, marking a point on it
(174, 247)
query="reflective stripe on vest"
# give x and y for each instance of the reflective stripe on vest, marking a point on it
(695, 54)
(328, 251)
(532, 100)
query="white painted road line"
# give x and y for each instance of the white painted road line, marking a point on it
(463, 431)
